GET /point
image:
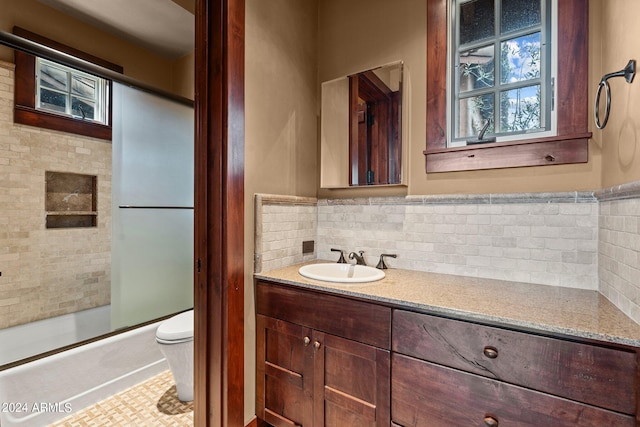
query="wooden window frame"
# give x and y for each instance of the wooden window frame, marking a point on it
(25, 111)
(570, 145)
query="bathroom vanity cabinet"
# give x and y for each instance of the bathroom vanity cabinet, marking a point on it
(322, 360)
(333, 359)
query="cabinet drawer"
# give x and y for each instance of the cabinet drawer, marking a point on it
(454, 398)
(595, 375)
(351, 319)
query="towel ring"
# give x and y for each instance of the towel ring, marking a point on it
(628, 73)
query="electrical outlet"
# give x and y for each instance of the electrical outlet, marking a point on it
(308, 247)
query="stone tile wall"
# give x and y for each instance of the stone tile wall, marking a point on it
(547, 239)
(48, 272)
(282, 224)
(619, 247)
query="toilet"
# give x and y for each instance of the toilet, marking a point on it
(175, 338)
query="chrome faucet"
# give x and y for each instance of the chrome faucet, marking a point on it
(359, 258)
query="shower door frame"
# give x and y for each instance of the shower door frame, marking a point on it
(219, 213)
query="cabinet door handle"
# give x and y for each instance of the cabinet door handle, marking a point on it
(490, 421)
(490, 352)
(316, 345)
(306, 341)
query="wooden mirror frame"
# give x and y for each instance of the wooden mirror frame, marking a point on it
(571, 143)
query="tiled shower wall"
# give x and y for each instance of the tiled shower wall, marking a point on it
(48, 272)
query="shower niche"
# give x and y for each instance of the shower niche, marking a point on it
(70, 200)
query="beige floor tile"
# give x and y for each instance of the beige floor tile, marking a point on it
(151, 403)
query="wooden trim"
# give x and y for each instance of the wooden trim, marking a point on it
(253, 423)
(436, 74)
(25, 80)
(571, 102)
(219, 213)
(43, 119)
(354, 160)
(573, 64)
(25, 111)
(510, 156)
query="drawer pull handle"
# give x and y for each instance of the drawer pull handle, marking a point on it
(316, 345)
(490, 421)
(490, 352)
(306, 341)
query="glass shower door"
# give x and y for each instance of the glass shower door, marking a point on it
(152, 198)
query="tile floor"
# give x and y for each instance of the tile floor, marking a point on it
(151, 403)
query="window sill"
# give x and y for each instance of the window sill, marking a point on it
(42, 119)
(532, 152)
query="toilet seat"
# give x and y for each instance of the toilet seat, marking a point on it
(176, 330)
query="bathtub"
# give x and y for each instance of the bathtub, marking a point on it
(48, 334)
(48, 389)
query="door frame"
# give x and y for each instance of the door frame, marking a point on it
(219, 214)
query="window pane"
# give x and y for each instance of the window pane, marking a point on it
(476, 68)
(83, 86)
(520, 59)
(53, 101)
(473, 114)
(520, 109)
(477, 20)
(53, 77)
(83, 108)
(519, 14)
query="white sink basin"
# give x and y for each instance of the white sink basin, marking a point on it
(341, 273)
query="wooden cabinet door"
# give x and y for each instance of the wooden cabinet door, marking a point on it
(352, 383)
(284, 382)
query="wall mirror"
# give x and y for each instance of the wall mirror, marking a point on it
(362, 123)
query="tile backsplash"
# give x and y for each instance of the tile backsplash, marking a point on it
(619, 247)
(544, 239)
(581, 240)
(282, 223)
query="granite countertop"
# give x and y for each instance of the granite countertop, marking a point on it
(537, 308)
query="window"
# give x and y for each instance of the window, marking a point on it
(500, 69)
(500, 76)
(63, 90)
(57, 97)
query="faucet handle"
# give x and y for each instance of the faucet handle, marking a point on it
(381, 265)
(341, 260)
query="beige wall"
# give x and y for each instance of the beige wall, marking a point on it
(140, 64)
(183, 76)
(619, 42)
(281, 123)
